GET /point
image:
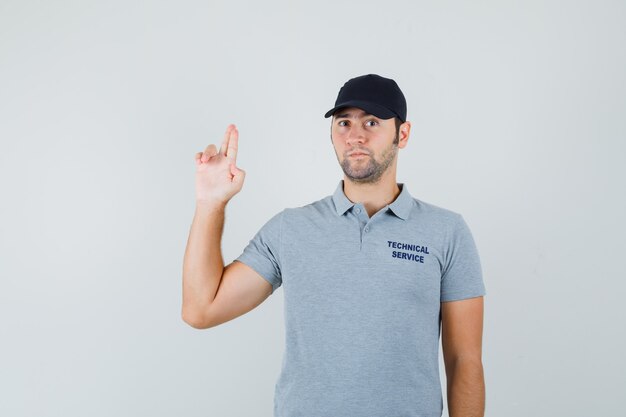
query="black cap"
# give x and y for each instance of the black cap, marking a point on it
(376, 95)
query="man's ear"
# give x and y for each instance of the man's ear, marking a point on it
(403, 135)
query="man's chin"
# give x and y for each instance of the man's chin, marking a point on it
(359, 177)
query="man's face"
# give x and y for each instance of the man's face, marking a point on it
(364, 144)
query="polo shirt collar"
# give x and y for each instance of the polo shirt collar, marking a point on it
(401, 206)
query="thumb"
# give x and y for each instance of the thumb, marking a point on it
(238, 174)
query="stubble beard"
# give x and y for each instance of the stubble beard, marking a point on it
(370, 171)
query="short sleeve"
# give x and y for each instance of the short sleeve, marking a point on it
(263, 251)
(462, 273)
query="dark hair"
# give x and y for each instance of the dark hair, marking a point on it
(398, 123)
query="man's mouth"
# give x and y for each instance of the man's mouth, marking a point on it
(357, 154)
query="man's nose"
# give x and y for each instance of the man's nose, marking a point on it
(356, 133)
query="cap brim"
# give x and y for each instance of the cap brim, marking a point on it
(372, 108)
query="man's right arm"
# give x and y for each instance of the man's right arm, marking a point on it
(203, 264)
(213, 294)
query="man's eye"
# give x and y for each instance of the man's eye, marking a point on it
(373, 122)
(341, 123)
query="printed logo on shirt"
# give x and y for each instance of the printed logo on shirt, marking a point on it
(408, 251)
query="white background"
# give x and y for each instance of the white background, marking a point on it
(519, 121)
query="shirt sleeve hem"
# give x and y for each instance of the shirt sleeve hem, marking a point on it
(462, 296)
(258, 269)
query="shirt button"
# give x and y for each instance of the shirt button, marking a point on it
(358, 210)
(367, 229)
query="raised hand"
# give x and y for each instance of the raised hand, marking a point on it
(217, 177)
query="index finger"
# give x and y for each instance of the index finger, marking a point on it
(233, 145)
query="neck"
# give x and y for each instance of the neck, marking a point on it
(373, 196)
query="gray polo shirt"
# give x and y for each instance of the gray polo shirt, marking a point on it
(362, 302)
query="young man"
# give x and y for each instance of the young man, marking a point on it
(371, 276)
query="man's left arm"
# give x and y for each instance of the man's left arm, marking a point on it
(461, 339)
